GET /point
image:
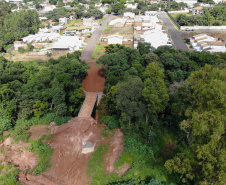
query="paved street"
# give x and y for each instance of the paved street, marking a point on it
(173, 32)
(88, 51)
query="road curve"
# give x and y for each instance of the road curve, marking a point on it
(88, 50)
(173, 32)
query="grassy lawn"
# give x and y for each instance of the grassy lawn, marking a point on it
(96, 169)
(123, 31)
(175, 15)
(73, 22)
(103, 19)
(99, 50)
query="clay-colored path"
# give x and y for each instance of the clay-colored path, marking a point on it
(88, 104)
(94, 82)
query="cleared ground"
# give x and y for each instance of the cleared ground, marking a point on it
(94, 82)
(123, 31)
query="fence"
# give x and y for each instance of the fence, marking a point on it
(203, 27)
(175, 22)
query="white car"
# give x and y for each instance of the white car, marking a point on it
(189, 29)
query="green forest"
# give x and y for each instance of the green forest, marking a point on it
(14, 26)
(171, 106)
(213, 16)
(169, 103)
(35, 89)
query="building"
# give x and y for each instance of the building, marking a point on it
(88, 21)
(116, 39)
(197, 10)
(63, 21)
(188, 2)
(78, 30)
(151, 13)
(131, 6)
(117, 23)
(48, 8)
(71, 43)
(129, 15)
(203, 42)
(156, 38)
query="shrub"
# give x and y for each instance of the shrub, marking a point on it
(110, 121)
(5, 124)
(30, 47)
(21, 50)
(44, 153)
(8, 175)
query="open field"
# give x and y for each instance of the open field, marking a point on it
(123, 31)
(175, 15)
(73, 22)
(17, 56)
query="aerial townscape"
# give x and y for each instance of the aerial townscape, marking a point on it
(112, 92)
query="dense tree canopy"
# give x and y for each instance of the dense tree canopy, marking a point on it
(17, 25)
(180, 125)
(214, 16)
(40, 87)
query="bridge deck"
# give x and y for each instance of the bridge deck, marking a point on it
(88, 105)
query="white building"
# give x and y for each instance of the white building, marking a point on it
(103, 9)
(156, 38)
(203, 42)
(129, 15)
(63, 21)
(88, 21)
(188, 2)
(131, 6)
(218, 1)
(116, 39)
(71, 43)
(48, 8)
(14, 1)
(117, 23)
(150, 13)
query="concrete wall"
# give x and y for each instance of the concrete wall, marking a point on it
(179, 11)
(204, 27)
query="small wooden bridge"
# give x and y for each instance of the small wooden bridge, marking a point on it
(88, 104)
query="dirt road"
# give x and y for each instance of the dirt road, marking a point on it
(88, 51)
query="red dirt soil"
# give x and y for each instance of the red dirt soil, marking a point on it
(15, 153)
(68, 162)
(94, 82)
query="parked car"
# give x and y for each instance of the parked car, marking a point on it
(189, 29)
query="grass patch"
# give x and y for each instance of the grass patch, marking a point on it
(139, 156)
(8, 175)
(73, 22)
(44, 153)
(123, 31)
(176, 15)
(103, 19)
(99, 50)
(108, 29)
(20, 130)
(96, 170)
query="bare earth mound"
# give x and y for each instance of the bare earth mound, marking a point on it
(69, 164)
(94, 82)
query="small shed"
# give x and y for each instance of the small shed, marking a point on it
(87, 147)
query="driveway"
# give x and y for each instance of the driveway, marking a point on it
(88, 51)
(173, 32)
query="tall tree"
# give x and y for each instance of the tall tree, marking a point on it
(205, 129)
(155, 91)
